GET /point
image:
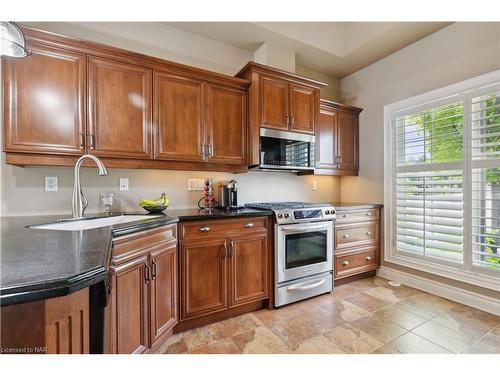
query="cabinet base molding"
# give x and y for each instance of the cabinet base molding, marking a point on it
(26, 159)
(212, 318)
(348, 279)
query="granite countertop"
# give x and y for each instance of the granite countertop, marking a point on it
(191, 214)
(39, 263)
(343, 206)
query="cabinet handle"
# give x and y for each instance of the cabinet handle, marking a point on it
(368, 258)
(82, 140)
(203, 153)
(147, 274)
(292, 121)
(345, 236)
(368, 214)
(92, 141)
(210, 151)
(232, 248)
(368, 233)
(340, 159)
(153, 269)
(225, 249)
(345, 263)
(345, 215)
(248, 225)
(287, 119)
(204, 229)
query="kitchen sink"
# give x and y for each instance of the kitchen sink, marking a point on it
(91, 223)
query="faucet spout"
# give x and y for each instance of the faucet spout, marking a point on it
(79, 202)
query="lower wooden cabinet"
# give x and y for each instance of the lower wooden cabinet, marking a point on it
(224, 265)
(142, 309)
(356, 242)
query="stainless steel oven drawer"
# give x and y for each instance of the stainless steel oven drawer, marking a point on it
(303, 288)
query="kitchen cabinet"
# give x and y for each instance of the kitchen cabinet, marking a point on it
(337, 150)
(142, 309)
(72, 97)
(279, 100)
(44, 101)
(233, 255)
(356, 243)
(119, 100)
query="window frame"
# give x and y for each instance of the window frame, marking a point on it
(463, 91)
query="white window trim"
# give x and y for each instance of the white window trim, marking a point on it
(467, 275)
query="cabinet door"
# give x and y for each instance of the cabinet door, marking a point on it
(44, 98)
(130, 307)
(274, 103)
(203, 277)
(347, 141)
(303, 107)
(119, 100)
(249, 267)
(326, 140)
(163, 290)
(178, 118)
(226, 125)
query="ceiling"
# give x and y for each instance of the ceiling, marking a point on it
(334, 48)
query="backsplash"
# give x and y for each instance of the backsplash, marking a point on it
(23, 188)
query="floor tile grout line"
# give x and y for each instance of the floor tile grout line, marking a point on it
(475, 342)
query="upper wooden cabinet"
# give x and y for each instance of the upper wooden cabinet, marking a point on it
(44, 101)
(72, 97)
(119, 100)
(279, 100)
(337, 141)
(179, 111)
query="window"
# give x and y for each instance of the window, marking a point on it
(442, 178)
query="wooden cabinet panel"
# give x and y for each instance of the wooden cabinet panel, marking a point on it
(199, 230)
(302, 111)
(44, 101)
(130, 301)
(362, 261)
(179, 129)
(119, 100)
(163, 290)
(326, 140)
(357, 215)
(356, 234)
(249, 267)
(226, 125)
(274, 103)
(204, 284)
(347, 140)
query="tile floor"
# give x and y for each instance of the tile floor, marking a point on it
(366, 316)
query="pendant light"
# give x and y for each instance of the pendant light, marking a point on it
(12, 41)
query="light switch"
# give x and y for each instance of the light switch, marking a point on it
(196, 184)
(123, 183)
(50, 183)
(314, 186)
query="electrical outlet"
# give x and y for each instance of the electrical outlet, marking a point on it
(50, 183)
(314, 186)
(123, 183)
(196, 184)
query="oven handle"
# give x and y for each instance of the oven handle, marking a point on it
(305, 287)
(304, 228)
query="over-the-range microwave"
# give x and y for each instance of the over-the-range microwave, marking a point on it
(286, 151)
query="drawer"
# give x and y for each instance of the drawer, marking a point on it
(356, 234)
(354, 263)
(196, 230)
(357, 215)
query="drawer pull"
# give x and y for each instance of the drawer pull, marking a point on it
(204, 229)
(368, 214)
(225, 249)
(345, 263)
(301, 286)
(345, 236)
(368, 233)
(345, 215)
(248, 225)
(368, 258)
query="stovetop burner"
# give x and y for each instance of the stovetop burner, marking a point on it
(284, 205)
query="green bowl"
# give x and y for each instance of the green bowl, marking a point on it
(155, 209)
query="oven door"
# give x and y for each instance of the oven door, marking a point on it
(303, 250)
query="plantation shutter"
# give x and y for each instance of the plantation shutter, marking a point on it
(485, 154)
(430, 182)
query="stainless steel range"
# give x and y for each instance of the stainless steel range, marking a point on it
(303, 248)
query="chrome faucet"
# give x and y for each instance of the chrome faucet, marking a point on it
(79, 202)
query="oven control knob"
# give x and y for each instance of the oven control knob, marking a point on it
(327, 212)
(280, 216)
(287, 216)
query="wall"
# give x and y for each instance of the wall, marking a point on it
(453, 54)
(22, 188)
